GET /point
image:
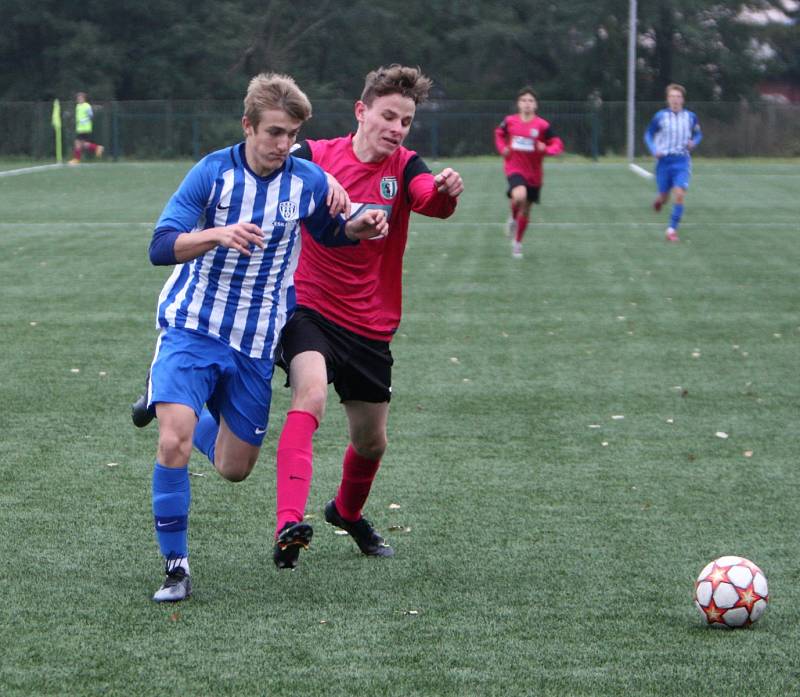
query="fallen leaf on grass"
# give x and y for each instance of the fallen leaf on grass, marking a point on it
(340, 532)
(455, 360)
(748, 453)
(696, 354)
(411, 612)
(618, 417)
(721, 434)
(196, 474)
(594, 425)
(604, 443)
(670, 421)
(175, 616)
(112, 464)
(33, 324)
(102, 373)
(394, 506)
(399, 528)
(74, 370)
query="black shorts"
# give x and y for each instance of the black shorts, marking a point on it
(515, 180)
(359, 368)
(84, 136)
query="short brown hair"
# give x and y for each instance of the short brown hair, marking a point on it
(273, 91)
(528, 90)
(396, 79)
(675, 86)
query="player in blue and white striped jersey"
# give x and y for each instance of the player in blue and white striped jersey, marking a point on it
(232, 230)
(671, 136)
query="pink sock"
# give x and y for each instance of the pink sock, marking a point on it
(358, 474)
(522, 223)
(294, 466)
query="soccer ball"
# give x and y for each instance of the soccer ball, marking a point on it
(731, 592)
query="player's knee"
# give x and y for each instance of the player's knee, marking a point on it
(312, 399)
(174, 450)
(371, 446)
(234, 471)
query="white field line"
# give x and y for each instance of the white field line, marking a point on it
(755, 226)
(641, 171)
(27, 170)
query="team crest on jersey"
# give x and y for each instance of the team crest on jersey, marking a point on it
(288, 209)
(534, 132)
(389, 187)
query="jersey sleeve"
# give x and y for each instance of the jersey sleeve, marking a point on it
(501, 137)
(325, 229)
(187, 205)
(555, 146)
(182, 213)
(422, 193)
(650, 133)
(697, 134)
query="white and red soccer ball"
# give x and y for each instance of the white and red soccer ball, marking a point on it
(731, 592)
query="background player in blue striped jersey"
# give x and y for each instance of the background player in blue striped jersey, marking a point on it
(671, 136)
(232, 230)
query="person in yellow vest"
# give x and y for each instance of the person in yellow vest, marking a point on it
(83, 130)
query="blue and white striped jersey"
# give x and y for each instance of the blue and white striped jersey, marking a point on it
(669, 132)
(241, 300)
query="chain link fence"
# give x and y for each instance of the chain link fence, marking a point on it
(170, 129)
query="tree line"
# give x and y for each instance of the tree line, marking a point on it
(208, 49)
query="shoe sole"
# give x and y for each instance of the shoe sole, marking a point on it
(289, 544)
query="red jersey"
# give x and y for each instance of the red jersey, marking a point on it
(520, 138)
(359, 287)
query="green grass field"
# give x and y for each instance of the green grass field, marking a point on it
(544, 547)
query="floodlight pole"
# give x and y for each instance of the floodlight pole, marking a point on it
(631, 124)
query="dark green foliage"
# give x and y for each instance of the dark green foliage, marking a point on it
(208, 49)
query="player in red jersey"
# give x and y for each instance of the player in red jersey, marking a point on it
(524, 139)
(348, 308)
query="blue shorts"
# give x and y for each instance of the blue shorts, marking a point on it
(672, 171)
(194, 369)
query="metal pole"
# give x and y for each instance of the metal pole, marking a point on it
(631, 127)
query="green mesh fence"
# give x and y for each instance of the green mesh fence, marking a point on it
(162, 129)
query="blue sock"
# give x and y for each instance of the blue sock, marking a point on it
(675, 218)
(171, 499)
(205, 434)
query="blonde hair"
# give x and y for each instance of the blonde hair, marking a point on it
(396, 79)
(273, 91)
(675, 86)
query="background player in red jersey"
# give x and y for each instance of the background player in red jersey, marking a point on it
(524, 139)
(349, 306)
